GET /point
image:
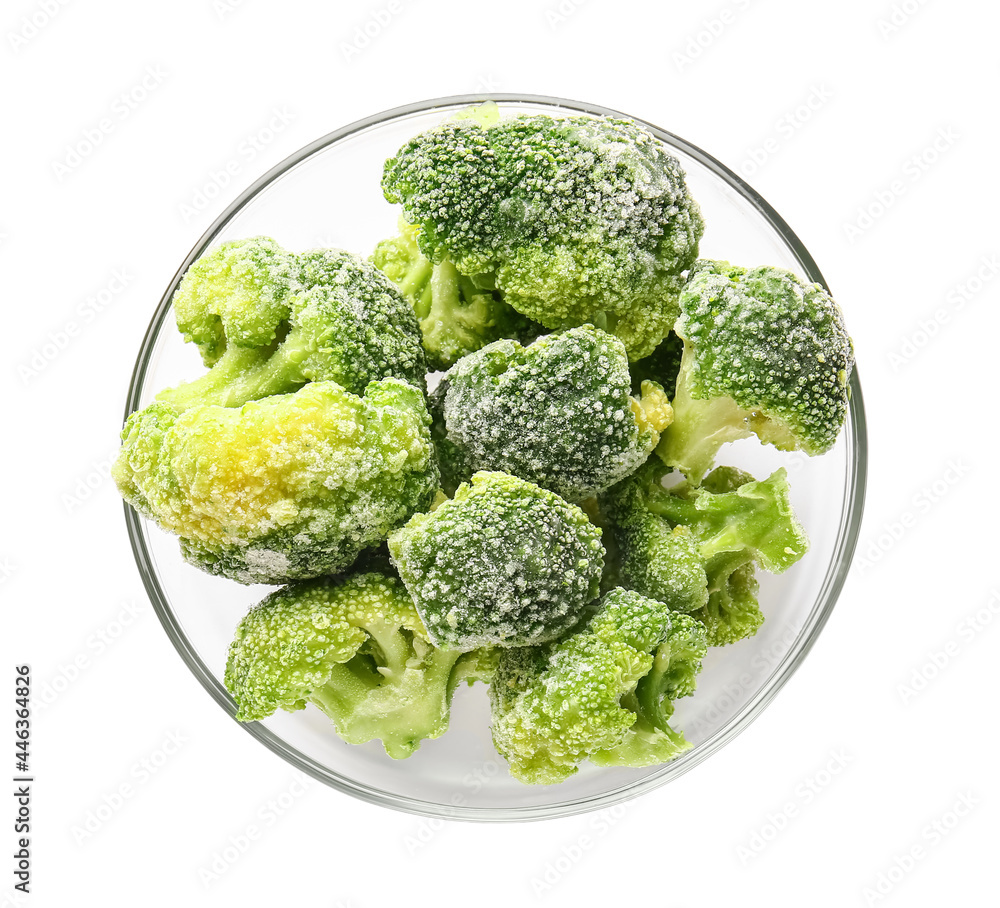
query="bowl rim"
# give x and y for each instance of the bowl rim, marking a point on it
(855, 434)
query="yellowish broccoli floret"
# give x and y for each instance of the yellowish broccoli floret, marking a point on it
(288, 487)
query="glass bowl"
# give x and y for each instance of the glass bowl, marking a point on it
(328, 194)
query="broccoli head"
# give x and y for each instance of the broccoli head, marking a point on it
(504, 562)
(457, 315)
(604, 692)
(660, 561)
(558, 412)
(354, 647)
(288, 487)
(268, 321)
(578, 219)
(235, 295)
(696, 547)
(765, 353)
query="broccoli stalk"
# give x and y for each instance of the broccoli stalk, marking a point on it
(398, 690)
(458, 314)
(765, 354)
(354, 647)
(733, 513)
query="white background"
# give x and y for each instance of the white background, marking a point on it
(903, 126)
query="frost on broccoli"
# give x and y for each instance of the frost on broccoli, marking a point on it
(605, 692)
(235, 296)
(268, 321)
(354, 647)
(660, 561)
(458, 314)
(504, 562)
(578, 219)
(454, 460)
(289, 487)
(764, 353)
(696, 547)
(558, 412)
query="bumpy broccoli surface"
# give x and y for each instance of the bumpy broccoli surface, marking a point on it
(457, 316)
(578, 219)
(652, 557)
(696, 547)
(558, 412)
(355, 647)
(604, 692)
(504, 562)
(288, 487)
(454, 460)
(764, 353)
(268, 321)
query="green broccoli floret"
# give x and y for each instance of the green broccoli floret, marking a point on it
(604, 692)
(268, 321)
(696, 547)
(504, 562)
(457, 315)
(660, 561)
(764, 353)
(676, 664)
(557, 412)
(355, 647)
(579, 219)
(235, 295)
(288, 487)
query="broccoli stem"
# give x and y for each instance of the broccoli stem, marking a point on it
(348, 685)
(417, 276)
(394, 648)
(221, 385)
(401, 704)
(244, 374)
(699, 429)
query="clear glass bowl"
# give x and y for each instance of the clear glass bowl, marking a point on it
(328, 194)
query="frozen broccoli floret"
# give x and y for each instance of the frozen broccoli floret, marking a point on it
(457, 315)
(765, 353)
(604, 692)
(355, 647)
(504, 562)
(696, 547)
(268, 321)
(288, 487)
(660, 561)
(673, 674)
(579, 219)
(558, 412)
(235, 295)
